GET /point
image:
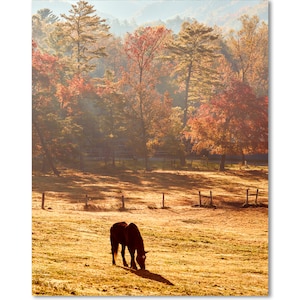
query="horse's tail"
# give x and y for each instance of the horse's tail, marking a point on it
(114, 245)
(115, 248)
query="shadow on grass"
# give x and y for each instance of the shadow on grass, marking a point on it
(148, 275)
(73, 185)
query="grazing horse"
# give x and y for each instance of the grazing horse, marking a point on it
(127, 235)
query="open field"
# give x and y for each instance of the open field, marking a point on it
(192, 251)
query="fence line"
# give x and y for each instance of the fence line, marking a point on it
(85, 198)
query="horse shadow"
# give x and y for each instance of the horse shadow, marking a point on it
(148, 275)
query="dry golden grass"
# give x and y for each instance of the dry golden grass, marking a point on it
(193, 251)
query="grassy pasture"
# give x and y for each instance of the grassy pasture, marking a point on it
(192, 251)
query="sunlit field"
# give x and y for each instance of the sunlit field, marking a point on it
(218, 250)
(157, 115)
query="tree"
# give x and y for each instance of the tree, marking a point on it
(114, 61)
(77, 42)
(47, 15)
(81, 32)
(45, 71)
(249, 50)
(233, 122)
(78, 98)
(173, 143)
(43, 23)
(194, 50)
(111, 117)
(146, 108)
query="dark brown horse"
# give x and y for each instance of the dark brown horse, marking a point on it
(127, 235)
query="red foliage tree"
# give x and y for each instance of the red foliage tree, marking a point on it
(70, 94)
(45, 71)
(60, 110)
(233, 122)
(147, 110)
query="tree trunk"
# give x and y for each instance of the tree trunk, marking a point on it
(46, 151)
(143, 126)
(44, 164)
(186, 97)
(222, 163)
(147, 162)
(186, 106)
(243, 159)
(182, 158)
(113, 159)
(144, 140)
(81, 161)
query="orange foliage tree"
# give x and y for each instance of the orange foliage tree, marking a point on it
(233, 122)
(78, 98)
(146, 109)
(249, 52)
(45, 71)
(62, 111)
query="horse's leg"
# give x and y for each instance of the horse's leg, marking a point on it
(123, 256)
(132, 263)
(114, 251)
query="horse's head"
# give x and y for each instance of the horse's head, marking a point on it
(141, 260)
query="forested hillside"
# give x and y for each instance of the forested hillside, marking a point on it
(96, 94)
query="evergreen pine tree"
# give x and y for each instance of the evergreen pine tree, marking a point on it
(83, 31)
(194, 50)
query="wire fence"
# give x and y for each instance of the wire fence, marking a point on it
(204, 199)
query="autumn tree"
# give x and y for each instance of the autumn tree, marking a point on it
(233, 122)
(194, 50)
(43, 24)
(111, 104)
(45, 73)
(61, 119)
(80, 34)
(114, 61)
(173, 143)
(77, 41)
(146, 108)
(78, 98)
(249, 50)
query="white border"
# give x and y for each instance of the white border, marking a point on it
(15, 212)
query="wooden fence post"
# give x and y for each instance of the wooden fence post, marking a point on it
(86, 200)
(43, 200)
(123, 202)
(210, 198)
(163, 200)
(247, 195)
(256, 196)
(200, 204)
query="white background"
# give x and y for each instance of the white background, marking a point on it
(15, 149)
